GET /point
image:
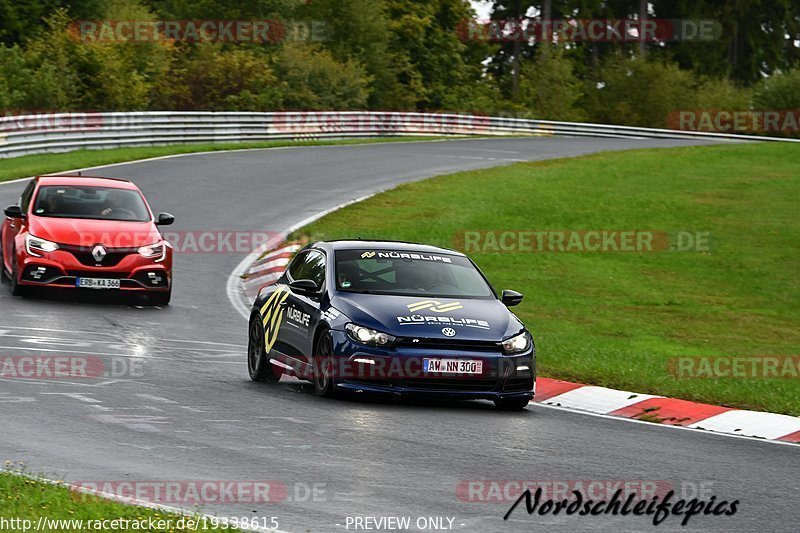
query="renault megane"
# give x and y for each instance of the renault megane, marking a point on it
(80, 232)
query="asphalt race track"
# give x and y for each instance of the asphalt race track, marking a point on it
(190, 412)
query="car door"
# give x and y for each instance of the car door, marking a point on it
(13, 226)
(302, 309)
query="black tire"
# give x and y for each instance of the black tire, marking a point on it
(2, 260)
(16, 288)
(324, 382)
(160, 299)
(258, 365)
(512, 404)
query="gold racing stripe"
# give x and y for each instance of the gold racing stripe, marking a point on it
(269, 301)
(271, 332)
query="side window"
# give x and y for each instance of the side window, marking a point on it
(316, 268)
(308, 265)
(27, 194)
(297, 267)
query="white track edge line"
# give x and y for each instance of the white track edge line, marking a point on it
(293, 147)
(234, 279)
(652, 424)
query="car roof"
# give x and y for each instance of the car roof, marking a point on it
(87, 181)
(399, 246)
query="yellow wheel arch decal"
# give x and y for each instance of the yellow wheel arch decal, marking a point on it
(272, 316)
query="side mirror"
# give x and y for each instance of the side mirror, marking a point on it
(511, 298)
(304, 285)
(165, 219)
(14, 211)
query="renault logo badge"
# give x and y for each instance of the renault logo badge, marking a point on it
(99, 253)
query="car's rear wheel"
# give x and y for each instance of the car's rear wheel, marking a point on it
(324, 383)
(511, 404)
(258, 365)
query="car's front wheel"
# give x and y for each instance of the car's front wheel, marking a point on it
(258, 365)
(511, 404)
(16, 288)
(160, 299)
(324, 383)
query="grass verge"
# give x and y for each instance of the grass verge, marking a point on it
(29, 505)
(619, 319)
(37, 165)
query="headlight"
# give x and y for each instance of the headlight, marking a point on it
(35, 244)
(364, 335)
(517, 344)
(157, 250)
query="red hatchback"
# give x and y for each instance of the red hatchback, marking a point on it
(86, 233)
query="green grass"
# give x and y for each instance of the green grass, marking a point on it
(27, 499)
(37, 165)
(615, 319)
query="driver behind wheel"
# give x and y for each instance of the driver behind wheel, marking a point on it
(115, 204)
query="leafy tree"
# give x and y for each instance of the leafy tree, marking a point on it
(548, 87)
(355, 30)
(636, 92)
(24, 19)
(313, 80)
(780, 91)
(426, 42)
(207, 77)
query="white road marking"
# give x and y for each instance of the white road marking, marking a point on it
(82, 352)
(142, 423)
(652, 425)
(5, 398)
(156, 398)
(10, 327)
(275, 148)
(286, 418)
(87, 383)
(235, 277)
(73, 395)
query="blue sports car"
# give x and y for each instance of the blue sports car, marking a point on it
(393, 318)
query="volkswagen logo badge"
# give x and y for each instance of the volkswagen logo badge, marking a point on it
(449, 332)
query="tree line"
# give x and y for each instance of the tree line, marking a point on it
(405, 55)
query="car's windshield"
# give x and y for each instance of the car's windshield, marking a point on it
(409, 273)
(101, 203)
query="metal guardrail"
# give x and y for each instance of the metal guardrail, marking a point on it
(62, 132)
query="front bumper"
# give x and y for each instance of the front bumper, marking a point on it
(61, 269)
(399, 370)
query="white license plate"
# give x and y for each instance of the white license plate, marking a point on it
(453, 366)
(97, 283)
